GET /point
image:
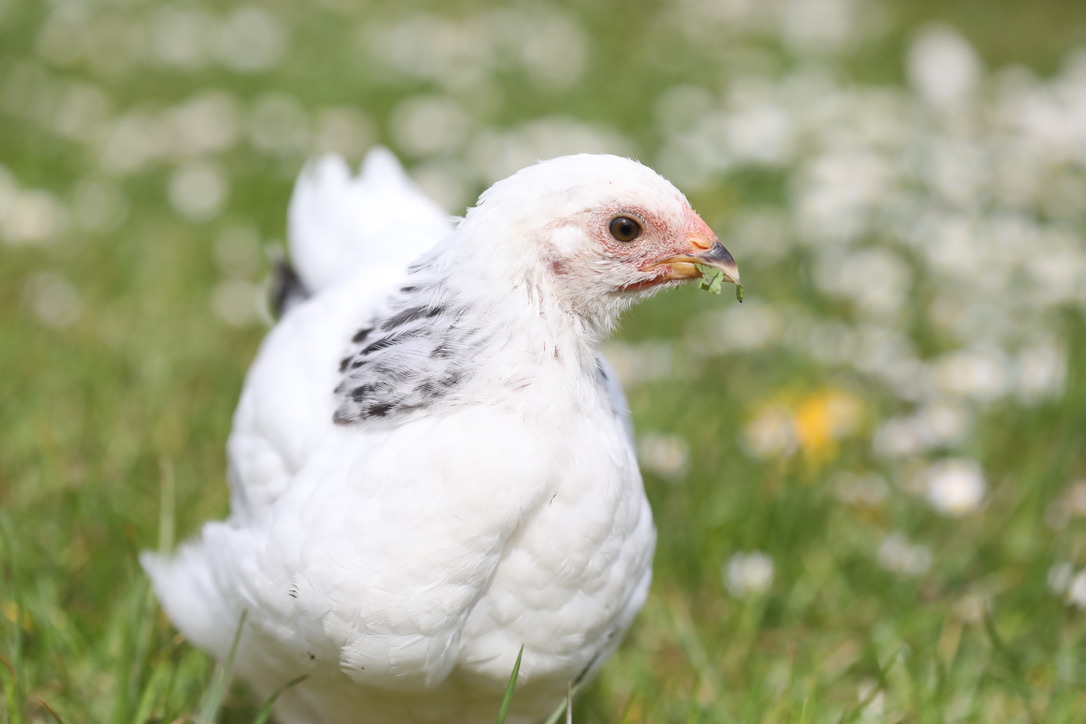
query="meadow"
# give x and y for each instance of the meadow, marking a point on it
(869, 479)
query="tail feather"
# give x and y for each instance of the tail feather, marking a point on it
(339, 223)
(184, 583)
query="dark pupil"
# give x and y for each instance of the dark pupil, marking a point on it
(624, 228)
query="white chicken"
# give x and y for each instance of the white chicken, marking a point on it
(431, 465)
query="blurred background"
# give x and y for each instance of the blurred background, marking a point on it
(869, 478)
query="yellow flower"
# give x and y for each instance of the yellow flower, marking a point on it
(11, 611)
(811, 424)
(822, 419)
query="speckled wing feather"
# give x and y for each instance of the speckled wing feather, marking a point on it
(406, 360)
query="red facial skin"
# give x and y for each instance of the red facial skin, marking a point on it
(658, 244)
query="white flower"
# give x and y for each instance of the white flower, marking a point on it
(943, 67)
(898, 437)
(30, 216)
(972, 607)
(862, 489)
(1076, 590)
(735, 330)
(943, 422)
(955, 486)
(252, 40)
(206, 123)
(1041, 369)
(770, 434)
(981, 373)
(640, 362)
(54, 300)
(761, 135)
(748, 573)
(180, 36)
(1059, 576)
(1075, 496)
(1064, 581)
(897, 554)
(279, 124)
(198, 190)
(1072, 504)
(430, 125)
(237, 301)
(668, 456)
(819, 26)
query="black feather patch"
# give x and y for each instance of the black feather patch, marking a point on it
(410, 360)
(287, 289)
(409, 315)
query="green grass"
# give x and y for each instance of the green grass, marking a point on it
(113, 421)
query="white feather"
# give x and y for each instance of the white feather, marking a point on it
(339, 223)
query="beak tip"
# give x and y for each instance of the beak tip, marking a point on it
(719, 258)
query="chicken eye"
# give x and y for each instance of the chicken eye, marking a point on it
(624, 228)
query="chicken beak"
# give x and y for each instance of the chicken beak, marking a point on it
(710, 253)
(719, 258)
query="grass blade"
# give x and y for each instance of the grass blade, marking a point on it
(566, 707)
(264, 714)
(209, 709)
(1012, 661)
(508, 698)
(625, 715)
(49, 710)
(880, 686)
